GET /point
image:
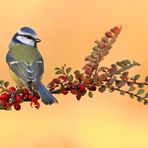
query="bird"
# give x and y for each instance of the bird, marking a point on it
(26, 64)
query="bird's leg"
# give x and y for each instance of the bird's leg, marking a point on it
(29, 85)
(36, 84)
(12, 99)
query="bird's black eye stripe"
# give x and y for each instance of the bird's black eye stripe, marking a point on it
(28, 36)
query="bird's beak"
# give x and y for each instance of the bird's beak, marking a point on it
(37, 40)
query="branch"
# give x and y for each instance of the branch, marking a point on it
(79, 83)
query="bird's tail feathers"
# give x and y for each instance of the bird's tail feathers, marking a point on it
(46, 96)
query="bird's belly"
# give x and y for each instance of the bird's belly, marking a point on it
(16, 79)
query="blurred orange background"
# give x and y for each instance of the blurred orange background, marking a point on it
(67, 30)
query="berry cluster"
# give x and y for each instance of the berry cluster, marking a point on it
(11, 96)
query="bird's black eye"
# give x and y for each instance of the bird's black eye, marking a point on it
(28, 36)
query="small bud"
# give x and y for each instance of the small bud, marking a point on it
(64, 78)
(116, 30)
(108, 34)
(56, 80)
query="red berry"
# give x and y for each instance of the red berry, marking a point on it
(11, 89)
(34, 99)
(29, 96)
(64, 91)
(17, 106)
(82, 87)
(25, 91)
(2, 102)
(18, 98)
(74, 91)
(8, 105)
(4, 96)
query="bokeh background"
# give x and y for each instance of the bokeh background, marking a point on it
(68, 29)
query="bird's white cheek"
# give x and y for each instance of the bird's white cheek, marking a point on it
(25, 40)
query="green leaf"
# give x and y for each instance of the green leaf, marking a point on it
(132, 88)
(97, 42)
(57, 68)
(104, 39)
(70, 78)
(119, 64)
(136, 77)
(135, 63)
(6, 84)
(146, 79)
(102, 88)
(140, 91)
(95, 48)
(112, 89)
(1, 107)
(63, 67)
(132, 96)
(90, 94)
(140, 85)
(9, 108)
(77, 72)
(139, 99)
(1, 82)
(122, 92)
(19, 91)
(125, 62)
(145, 102)
(113, 41)
(94, 54)
(68, 70)
(146, 95)
(57, 91)
(58, 72)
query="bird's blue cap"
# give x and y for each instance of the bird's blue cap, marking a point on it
(28, 30)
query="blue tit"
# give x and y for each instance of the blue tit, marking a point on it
(26, 63)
